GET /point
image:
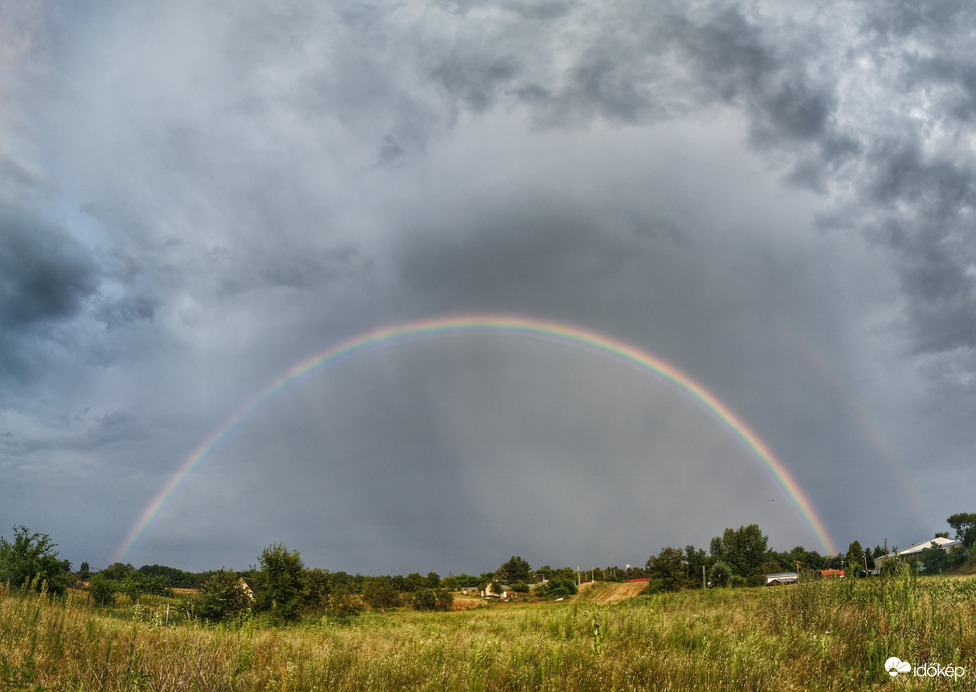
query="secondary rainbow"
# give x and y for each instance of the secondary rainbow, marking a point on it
(546, 330)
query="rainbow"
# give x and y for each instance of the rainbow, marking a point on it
(554, 332)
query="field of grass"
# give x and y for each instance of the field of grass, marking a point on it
(813, 636)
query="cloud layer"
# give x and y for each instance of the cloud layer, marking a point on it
(777, 199)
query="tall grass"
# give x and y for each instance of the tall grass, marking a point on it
(813, 636)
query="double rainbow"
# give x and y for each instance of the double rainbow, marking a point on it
(554, 332)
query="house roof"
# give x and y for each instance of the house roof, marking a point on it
(938, 541)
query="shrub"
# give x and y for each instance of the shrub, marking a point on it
(720, 574)
(558, 587)
(101, 589)
(223, 597)
(379, 593)
(31, 561)
(343, 603)
(433, 599)
(279, 583)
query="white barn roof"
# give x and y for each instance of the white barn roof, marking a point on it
(938, 541)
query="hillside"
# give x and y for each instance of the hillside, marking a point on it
(609, 592)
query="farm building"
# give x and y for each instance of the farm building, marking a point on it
(946, 544)
(782, 578)
(831, 573)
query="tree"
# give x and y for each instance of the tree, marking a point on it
(223, 597)
(855, 559)
(720, 574)
(933, 560)
(172, 577)
(279, 582)
(117, 571)
(344, 601)
(316, 588)
(667, 570)
(379, 593)
(101, 589)
(558, 587)
(31, 561)
(696, 559)
(744, 549)
(433, 599)
(965, 526)
(433, 580)
(414, 582)
(516, 569)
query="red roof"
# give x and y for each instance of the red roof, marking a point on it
(640, 579)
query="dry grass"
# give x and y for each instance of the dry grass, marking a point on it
(817, 636)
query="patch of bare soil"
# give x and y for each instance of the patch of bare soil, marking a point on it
(609, 592)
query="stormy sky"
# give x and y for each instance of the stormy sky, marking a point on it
(776, 198)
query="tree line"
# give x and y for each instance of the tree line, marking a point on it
(741, 557)
(282, 589)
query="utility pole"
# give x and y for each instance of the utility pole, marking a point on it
(704, 586)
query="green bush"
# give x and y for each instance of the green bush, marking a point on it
(30, 562)
(102, 590)
(557, 587)
(279, 583)
(720, 574)
(379, 593)
(223, 597)
(433, 599)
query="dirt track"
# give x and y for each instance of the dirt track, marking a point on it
(603, 592)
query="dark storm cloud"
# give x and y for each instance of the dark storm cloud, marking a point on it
(500, 253)
(45, 275)
(921, 202)
(474, 80)
(123, 312)
(922, 213)
(902, 18)
(747, 66)
(87, 431)
(544, 9)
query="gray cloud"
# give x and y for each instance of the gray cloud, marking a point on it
(46, 274)
(497, 254)
(776, 199)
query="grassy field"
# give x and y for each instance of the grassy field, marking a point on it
(813, 636)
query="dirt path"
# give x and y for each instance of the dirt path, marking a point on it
(609, 592)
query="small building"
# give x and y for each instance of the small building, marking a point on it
(782, 578)
(831, 574)
(248, 586)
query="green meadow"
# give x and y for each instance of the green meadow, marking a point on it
(817, 635)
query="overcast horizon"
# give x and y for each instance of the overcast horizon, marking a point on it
(776, 199)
